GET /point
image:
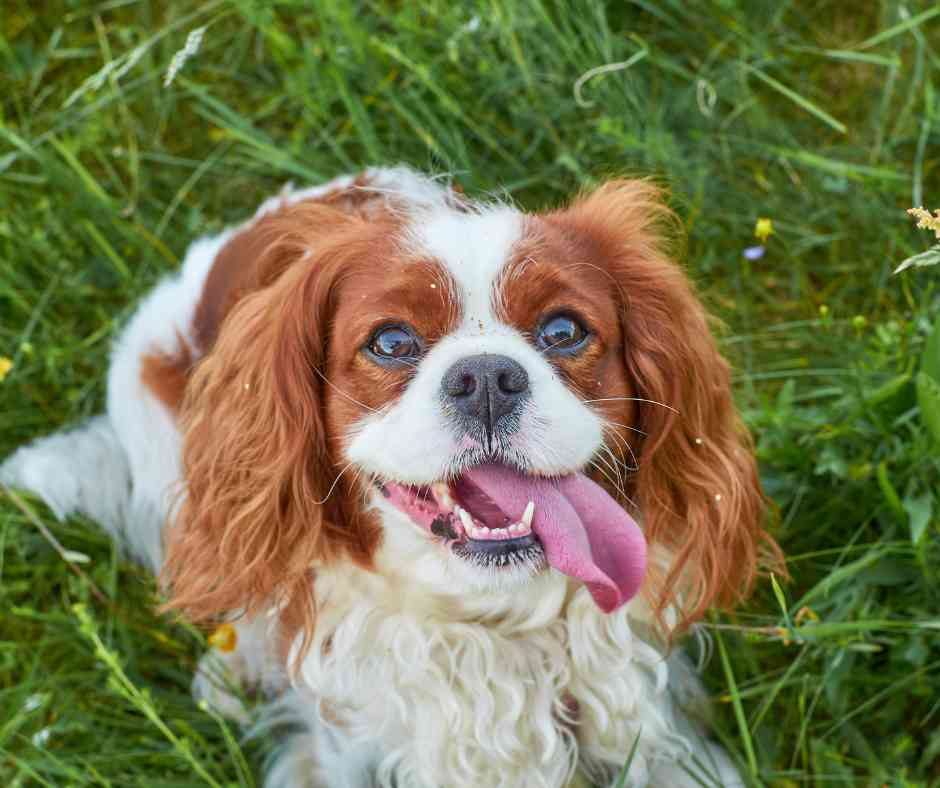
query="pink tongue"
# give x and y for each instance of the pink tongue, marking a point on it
(585, 533)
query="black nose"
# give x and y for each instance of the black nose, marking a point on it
(486, 388)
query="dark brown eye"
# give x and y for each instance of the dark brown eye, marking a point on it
(561, 333)
(395, 342)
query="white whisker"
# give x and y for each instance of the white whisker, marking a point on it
(611, 465)
(636, 462)
(626, 427)
(549, 347)
(630, 399)
(616, 486)
(333, 486)
(337, 389)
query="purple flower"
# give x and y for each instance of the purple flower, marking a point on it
(754, 252)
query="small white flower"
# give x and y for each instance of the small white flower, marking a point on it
(190, 48)
(113, 69)
(33, 702)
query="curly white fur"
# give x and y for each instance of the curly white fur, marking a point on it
(436, 692)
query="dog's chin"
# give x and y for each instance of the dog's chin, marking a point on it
(467, 574)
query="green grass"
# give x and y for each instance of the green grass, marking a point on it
(823, 117)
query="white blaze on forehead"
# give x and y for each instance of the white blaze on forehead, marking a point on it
(474, 248)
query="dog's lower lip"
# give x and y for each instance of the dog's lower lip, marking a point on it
(522, 551)
(502, 545)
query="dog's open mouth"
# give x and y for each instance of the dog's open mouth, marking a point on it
(499, 517)
(471, 522)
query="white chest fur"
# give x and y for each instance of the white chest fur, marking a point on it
(437, 693)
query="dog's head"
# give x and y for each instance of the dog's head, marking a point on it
(467, 396)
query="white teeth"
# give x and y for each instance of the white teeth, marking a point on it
(527, 514)
(466, 519)
(501, 533)
(479, 533)
(442, 494)
(518, 529)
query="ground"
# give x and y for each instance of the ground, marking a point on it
(820, 117)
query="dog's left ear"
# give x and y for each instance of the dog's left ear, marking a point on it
(697, 483)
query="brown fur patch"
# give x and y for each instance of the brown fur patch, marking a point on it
(236, 271)
(238, 268)
(167, 375)
(552, 274)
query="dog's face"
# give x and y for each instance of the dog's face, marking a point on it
(484, 350)
(467, 396)
(486, 338)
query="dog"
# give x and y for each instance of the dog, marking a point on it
(456, 476)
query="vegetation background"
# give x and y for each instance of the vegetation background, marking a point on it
(821, 116)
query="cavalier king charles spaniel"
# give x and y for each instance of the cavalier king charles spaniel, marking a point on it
(456, 476)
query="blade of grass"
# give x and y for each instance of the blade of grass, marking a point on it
(901, 27)
(743, 730)
(797, 99)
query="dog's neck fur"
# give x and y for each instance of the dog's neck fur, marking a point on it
(455, 691)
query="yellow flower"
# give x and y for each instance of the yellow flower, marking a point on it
(805, 614)
(224, 638)
(5, 366)
(763, 229)
(926, 220)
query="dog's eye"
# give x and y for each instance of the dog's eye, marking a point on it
(561, 333)
(395, 342)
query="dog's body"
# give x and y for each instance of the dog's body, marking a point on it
(409, 665)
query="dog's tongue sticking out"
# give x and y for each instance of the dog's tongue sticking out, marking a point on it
(584, 532)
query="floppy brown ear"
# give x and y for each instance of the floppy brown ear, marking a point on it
(257, 461)
(697, 483)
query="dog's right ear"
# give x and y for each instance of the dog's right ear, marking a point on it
(257, 464)
(697, 480)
